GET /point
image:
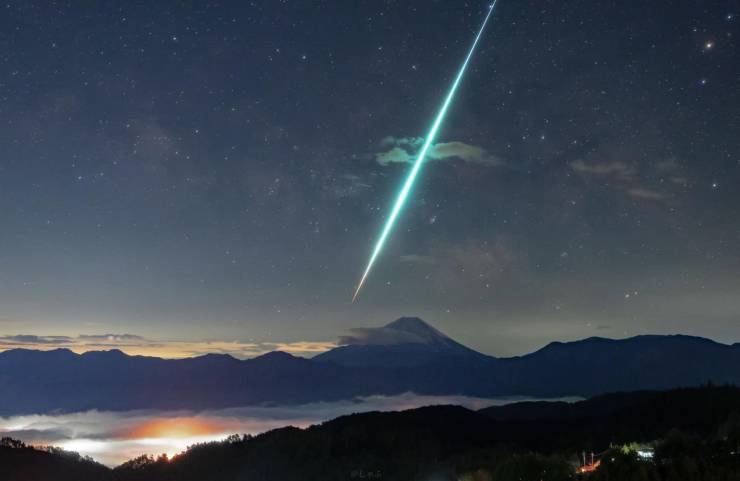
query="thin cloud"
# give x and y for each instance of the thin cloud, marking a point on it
(629, 182)
(418, 259)
(378, 335)
(646, 194)
(140, 346)
(473, 264)
(405, 149)
(301, 347)
(350, 185)
(110, 337)
(24, 339)
(605, 169)
(482, 258)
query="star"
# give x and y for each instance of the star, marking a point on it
(708, 45)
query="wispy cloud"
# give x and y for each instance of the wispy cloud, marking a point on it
(474, 264)
(477, 257)
(110, 337)
(378, 335)
(633, 182)
(301, 347)
(616, 168)
(404, 150)
(646, 194)
(418, 259)
(350, 185)
(139, 345)
(25, 339)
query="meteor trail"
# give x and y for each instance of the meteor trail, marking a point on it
(401, 199)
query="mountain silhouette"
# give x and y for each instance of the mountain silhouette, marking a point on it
(406, 355)
(408, 341)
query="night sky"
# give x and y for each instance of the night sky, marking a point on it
(220, 170)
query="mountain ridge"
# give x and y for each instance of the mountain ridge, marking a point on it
(62, 381)
(117, 351)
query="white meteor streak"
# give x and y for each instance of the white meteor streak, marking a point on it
(401, 199)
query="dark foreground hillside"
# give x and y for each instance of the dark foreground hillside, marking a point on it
(694, 434)
(24, 463)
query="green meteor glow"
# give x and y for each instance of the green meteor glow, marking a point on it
(401, 199)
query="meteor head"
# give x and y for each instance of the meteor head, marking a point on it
(359, 285)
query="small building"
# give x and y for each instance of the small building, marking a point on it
(645, 453)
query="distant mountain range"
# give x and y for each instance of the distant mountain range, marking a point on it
(405, 355)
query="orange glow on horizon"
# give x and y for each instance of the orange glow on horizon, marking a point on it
(176, 428)
(183, 349)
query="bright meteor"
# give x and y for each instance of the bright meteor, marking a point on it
(401, 199)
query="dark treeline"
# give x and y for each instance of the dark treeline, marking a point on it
(695, 434)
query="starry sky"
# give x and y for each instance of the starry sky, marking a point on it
(218, 172)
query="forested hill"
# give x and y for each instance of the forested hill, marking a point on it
(701, 425)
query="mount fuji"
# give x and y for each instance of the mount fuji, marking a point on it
(405, 342)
